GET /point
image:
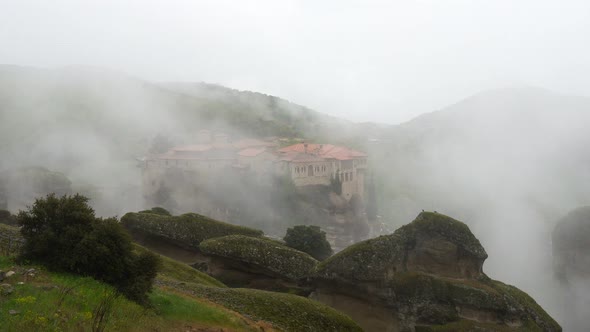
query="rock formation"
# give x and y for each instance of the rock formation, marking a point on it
(571, 266)
(178, 237)
(10, 240)
(426, 276)
(242, 261)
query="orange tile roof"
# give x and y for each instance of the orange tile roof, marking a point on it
(294, 156)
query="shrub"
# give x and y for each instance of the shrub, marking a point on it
(64, 234)
(309, 239)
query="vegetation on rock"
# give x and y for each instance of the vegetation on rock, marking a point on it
(157, 210)
(187, 230)
(429, 274)
(267, 254)
(285, 312)
(10, 240)
(309, 239)
(173, 270)
(372, 259)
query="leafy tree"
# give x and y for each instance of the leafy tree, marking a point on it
(64, 234)
(309, 239)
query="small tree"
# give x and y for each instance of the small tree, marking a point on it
(309, 239)
(64, 234)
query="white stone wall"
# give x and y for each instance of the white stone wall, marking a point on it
(351, 171)
(320, 173)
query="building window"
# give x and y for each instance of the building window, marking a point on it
(350, 176)
(166, 162)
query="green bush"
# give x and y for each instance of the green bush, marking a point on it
(64, 234)
(309, 239)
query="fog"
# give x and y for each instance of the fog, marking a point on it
(477, 109)
(381, 61)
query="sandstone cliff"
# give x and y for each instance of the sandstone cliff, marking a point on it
(426, 276)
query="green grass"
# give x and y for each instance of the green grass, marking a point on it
(284, 311)
(185, 309)
(183, 299)
(44, 305)
(174, 270)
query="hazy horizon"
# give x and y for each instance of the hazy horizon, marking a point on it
(362, 61)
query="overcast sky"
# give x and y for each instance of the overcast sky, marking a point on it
(362, 60)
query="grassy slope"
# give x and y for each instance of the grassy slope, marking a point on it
(171, 270)
(38, 301)
(183, 299)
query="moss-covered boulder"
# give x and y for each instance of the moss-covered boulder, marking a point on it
(425, 276)
(433, 243)
(187, 230)
(243, 261)
(157, 210)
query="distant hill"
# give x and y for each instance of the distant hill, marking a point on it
(513, 144)
(510, 162)
(91, 123)
(74, 108)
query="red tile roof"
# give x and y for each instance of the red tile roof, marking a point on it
(327, 151)
(294, 156)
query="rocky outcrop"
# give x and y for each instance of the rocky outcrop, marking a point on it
(571, 266)
(21, 186)
(186, 231)
(10, 240)
(7, 218)
(571, 246)
(426, 276)
(242, 261)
